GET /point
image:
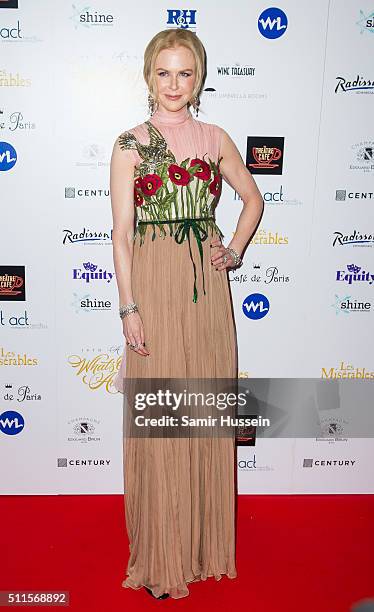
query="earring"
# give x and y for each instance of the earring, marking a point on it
(195, 105)
(151, 104)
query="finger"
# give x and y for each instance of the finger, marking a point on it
(219, 260)
(221, 265)
(132, 339)
(140, 340)
(218, 255)
(215, 242)
(143, 340)
(140, 349)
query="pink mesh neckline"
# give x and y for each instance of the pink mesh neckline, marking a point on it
(178, 117)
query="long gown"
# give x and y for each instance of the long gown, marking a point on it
(179, 493)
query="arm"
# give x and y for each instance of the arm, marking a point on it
(239, 178)
(122, 198)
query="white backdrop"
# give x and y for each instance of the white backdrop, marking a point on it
(70, 83)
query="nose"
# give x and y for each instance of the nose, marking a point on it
(174, 82)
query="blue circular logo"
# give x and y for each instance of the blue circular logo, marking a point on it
(256, 306)
(11, 422)
(8, 156)
(272, 23)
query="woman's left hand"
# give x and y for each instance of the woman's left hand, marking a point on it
(217, 257)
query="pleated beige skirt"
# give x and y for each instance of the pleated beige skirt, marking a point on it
(180, 493)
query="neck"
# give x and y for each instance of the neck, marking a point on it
(163, 116)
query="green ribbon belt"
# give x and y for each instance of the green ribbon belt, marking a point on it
(182, 232)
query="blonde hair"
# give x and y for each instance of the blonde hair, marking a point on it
(168, 39)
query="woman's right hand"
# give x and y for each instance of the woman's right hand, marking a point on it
(133, 331)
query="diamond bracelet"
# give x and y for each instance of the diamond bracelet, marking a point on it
(236, 257)
(127, 309)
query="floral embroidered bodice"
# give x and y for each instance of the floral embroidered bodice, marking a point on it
(174, 197)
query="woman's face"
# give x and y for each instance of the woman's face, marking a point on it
(175, 77)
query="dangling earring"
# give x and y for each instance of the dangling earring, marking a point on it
(151, 104)
(195, 105)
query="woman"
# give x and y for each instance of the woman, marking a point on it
(177, 317)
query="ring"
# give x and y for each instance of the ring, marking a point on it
(225, 258)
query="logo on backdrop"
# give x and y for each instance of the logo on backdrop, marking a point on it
(93, 156)
(236, 71)
(8, 4)
(16, 121)
(87, 303)
(86, 236)
(8, 156)
(272, 23)
(341, 195)
(17, 320)
(8, 79)
(83, 463)
(84, 429)
(333, 428)
(271, 275)
(330, 463)
(238, 95)
(185, 19)
(263, 236)
(85, 18)
(97, 367)
(252, 465)
(364, 154)
(73, 192)
(256, 306)
(24, 394)
(265, 154)
(366, 22)
(11, 422)
(246, 435)
(358, 85)
(14, 359)
(275, 198)
(354, 239)
(92, 273)
(12, 284)
(348, 305)
(355, 274)
(346, 371)
(10, 34)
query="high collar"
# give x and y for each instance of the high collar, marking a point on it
(179, 117)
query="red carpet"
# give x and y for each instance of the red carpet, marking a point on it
(306, 553)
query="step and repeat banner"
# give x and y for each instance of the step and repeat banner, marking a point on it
(293, 84)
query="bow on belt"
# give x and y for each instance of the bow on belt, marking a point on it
(180, 235)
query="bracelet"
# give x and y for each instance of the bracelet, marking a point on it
(236, 257)
(127, 309)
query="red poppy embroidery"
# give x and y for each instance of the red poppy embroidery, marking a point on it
(138, 198)
(215, 185)
(138, 182)
(178, 175)
(151, 183)
(204, 172)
